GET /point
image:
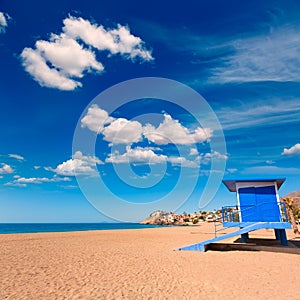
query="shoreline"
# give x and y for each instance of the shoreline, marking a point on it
(140, 264)
(19, 228)
(84, 227)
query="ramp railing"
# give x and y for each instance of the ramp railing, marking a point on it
(231, 215)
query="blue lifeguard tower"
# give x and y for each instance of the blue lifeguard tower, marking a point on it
(258, 206)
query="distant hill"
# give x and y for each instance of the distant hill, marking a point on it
(296, 196)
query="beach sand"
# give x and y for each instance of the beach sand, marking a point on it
(141, 264)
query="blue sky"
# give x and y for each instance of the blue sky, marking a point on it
(60, 64)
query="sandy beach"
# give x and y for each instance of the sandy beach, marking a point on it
(141, 264)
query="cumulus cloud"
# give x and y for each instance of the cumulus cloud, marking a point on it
(122, 131)
(171, 131)
(6, 169)
(193, 152)
(16, 156)
(116, 131)
(79, 164)
(3, 21)
(138, 155)
(69, 55)
(68, 59)
(141, 155)
(127, 132)
(294, 150)
(115, 41)
(96, 118)
(35, 64)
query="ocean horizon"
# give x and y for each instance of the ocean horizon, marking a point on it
(11, 228)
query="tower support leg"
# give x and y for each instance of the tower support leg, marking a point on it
(277, 234)
(283, 238)
(245, 237)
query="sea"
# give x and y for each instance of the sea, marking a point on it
(6, 228)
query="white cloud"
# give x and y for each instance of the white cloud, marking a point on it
(39, 180)
(116, 131)
(3, 21)
(294, 150)
(35, 64)
(183, 162)
(78, 165)
(193, 152)
(201, 135)
(96, 118)
(137, 155)
(141, 155)
(16, 156)
(207, 157)
(122, 131)
(6, 169)
(55, 63)
(116, 41)
(66, 55)
(171, 131)
(216, 154)
(52, 65)
(23, 181)
(34, 180)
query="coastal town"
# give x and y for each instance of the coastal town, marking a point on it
(159, 217)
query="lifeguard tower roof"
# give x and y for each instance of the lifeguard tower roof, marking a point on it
(231, 184)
